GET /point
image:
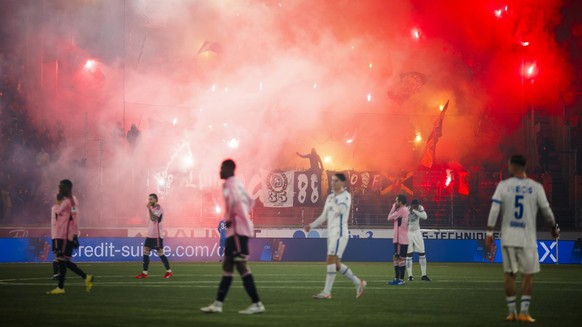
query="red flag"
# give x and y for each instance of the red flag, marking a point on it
(429, 155)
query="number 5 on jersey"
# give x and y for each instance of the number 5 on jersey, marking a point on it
(518, 214)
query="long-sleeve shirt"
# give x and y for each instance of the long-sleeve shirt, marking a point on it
(335, 212)
(54, 220)
(400, 218)
(66, 216)
(414, 218)
(155, 226)
(238, 205)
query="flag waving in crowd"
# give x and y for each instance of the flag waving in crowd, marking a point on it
(429, 155)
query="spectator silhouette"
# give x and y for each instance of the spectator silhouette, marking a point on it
(314, 160)
(133, 137)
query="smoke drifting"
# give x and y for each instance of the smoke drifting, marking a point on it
(258, 81)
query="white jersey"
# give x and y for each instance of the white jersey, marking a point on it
(520, 199)
(414, 218)
(336, 212)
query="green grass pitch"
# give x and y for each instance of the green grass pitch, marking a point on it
(459, 295)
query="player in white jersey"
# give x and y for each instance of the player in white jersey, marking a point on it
(518, 199)
(336, 213)
(415, 240)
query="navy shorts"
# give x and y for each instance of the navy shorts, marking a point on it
(62, 247)
(154, 243)
(400, 249)
(237, 246)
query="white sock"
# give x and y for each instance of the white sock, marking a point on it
(409, 266)
(217, 303)
(525, 300)
(329, 278)
(145, 272)
(422, 261)
(169, 270)
(346, 271)
(511, 304)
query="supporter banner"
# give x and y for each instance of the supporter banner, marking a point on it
(278, 189)
(363, 181)
(291, 189)
(273, 249)
(307, 188)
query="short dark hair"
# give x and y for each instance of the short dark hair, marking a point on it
(154, 195)
(340, 176)
(60, 197)
(229, 163)
(401, 198)
(66, 188)
(67, 183)
(517, 159)
(415, 202)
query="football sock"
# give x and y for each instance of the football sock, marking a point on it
(422, 261)
(401, 269)
(146, 263)
(525, 300)
(329, 278)
(165, 261)
(223, 287)
(74, 268)
(396, 270)
(62, 273)
(249, 284)
(346, 271)
(55, 267)
(511, 304)
(409, 266)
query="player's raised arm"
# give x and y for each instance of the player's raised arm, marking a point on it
(154, 214)
(394, 213)
(420, 212)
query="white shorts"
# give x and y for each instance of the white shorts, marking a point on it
(519, 259)
(415, 242)
(336, 245)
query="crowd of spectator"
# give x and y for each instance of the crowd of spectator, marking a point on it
(25, 149)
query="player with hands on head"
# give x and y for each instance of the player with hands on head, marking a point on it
(399, 215)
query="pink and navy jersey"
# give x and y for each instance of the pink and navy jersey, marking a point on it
(238, 205)
(400, 218)
(66, 217)
(155, 226)
(54, 220)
